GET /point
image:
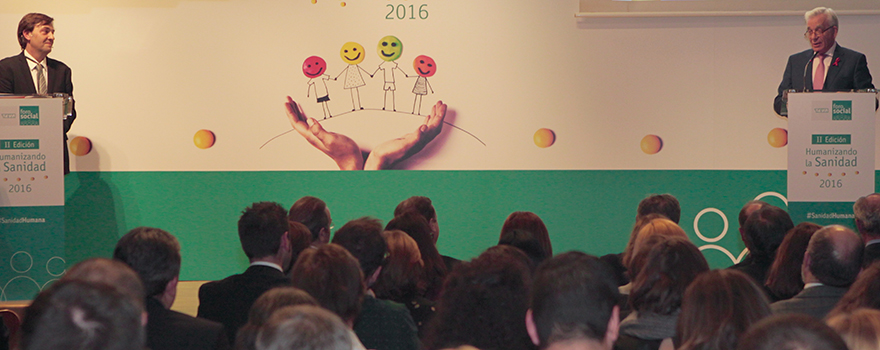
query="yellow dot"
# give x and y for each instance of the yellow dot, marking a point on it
(544, 138)
(204, 139)
(342, 4)
(778, 137)
(80, 146)
(18, 179)
(843, 174)
(314, 1)
(32, 179)
(857, 172)
(805, 173)
(46, 177)
(651, 144)
(817, 174)
(829, 174)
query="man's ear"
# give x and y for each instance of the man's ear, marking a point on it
(27, 35)
(531, 328)
(285, 242)
(613, 327)
(324, 235)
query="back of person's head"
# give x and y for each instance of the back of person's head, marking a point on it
(418, 204)
(333, 277)
(75, 314)
(483, 304)
(300, 239)
(153, 253)
(263, 308)
(860, 329)
(718, 307)
(863, 293)
(657, 227)
(113, 273)
(363, 239)
(313, 213)
(670, 266)
(528, 221)
(525, 241)
(790, 332)
(764, 230)
(663, 204)
(867, 214)
(634, 233)
(574, 297)
(416, 227)
(835, 254)
(514, 252)
(749, 208)
(784, 277)
(401, 275)
(304, 327)
(260, 229)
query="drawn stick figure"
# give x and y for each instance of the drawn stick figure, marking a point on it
(353, 53)
(315, 69)
(425, 67)
(390, 48)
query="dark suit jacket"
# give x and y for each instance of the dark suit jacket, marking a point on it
(848, 71)
(228, 301)
(15, 78)
(172, 330)
(816, 301)
(386, 325)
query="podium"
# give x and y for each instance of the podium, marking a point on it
(32, 194)
(830, 154)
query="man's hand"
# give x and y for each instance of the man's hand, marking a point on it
(388, 153)
(342, 149)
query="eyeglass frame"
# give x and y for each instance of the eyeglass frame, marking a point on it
(809, 33)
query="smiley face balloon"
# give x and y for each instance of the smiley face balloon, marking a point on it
(425, 66)
(352, 53)
(390, 48)
(314, 66)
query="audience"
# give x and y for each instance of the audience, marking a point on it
(484, 305)
(831, 264)
(300, 239)
(867, 216)
(860, 329)
(271, 301)
(113, 273)
(784, 277)
(573, 304)
(82, 315)
(400, 279)
(790, 332)
(314, 214)
(435, 269)
(526, 242)
(381, 324)
(670, 266)
(304, 327)
(650, 232)
(262, 230)
(423, 206)
(718, 307)
(524, 221)
(864, 292)
(155, 255)
(762, 233)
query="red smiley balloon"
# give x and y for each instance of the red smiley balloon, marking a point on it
(424, 66)
(314, 67)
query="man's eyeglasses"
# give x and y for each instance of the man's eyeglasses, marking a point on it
(818, 31)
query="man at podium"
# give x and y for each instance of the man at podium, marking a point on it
(826, 66)
(33, 73)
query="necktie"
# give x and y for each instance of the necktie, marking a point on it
(42, 86)
(819, 77)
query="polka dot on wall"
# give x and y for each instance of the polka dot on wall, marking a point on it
(544, 137)
(80, 146)
(778, 137)
(651, 144)
(204, 139)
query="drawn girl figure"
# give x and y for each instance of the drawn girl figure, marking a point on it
(353, 53)
(425, 67)
(315, 68)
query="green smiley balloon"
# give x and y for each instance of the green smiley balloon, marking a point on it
(390, 48)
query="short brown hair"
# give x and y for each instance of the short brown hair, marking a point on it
(28, 23)
(333, 276)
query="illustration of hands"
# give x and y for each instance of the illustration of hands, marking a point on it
(348, 155)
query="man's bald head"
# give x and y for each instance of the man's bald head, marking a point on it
(834, 255)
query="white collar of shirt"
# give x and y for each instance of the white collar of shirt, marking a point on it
(827, 60)
(811, 285)
(873, 241)
(266, 263)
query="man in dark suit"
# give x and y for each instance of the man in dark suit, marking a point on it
(21, 74)
(155, 255)
(262, 230)
(867, 215)
(831, 264)
(826, 66)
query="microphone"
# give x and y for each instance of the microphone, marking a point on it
(809, 63)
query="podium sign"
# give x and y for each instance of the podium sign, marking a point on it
(32, 195)
(830, 154)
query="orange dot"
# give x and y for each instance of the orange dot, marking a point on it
(651, 144)
(843, 174)
(46, 177)
(314, 1)
(204, 139)
(32, 179)
(544, 137)
(857, 172)
(342, 4)
(80, 146)
(817, 174)
(18, 179)
(778, 137)
(829, 174)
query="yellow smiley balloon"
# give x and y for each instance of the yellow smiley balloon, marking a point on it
(352, 53)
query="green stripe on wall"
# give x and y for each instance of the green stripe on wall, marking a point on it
(590, 210)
